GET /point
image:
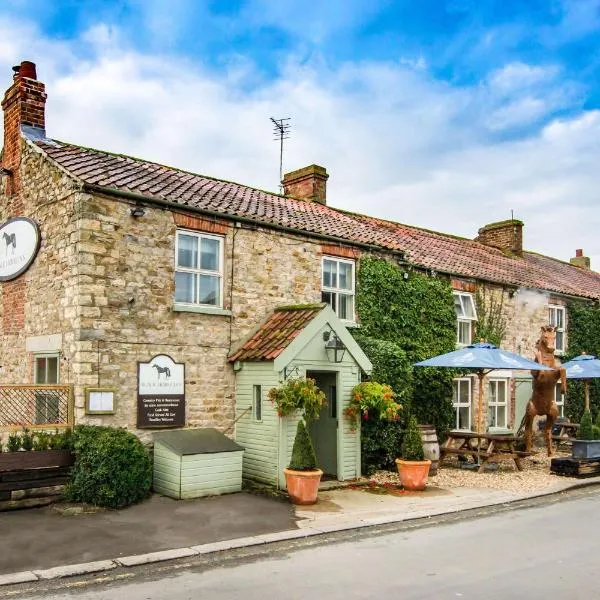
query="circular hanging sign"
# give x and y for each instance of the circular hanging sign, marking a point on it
(19, 244)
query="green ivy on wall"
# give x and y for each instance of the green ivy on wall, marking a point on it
(584, 336)
(406, 317)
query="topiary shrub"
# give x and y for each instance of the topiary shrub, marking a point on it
(303, 453)
(586, 427)
(412, 444)
(112, 468)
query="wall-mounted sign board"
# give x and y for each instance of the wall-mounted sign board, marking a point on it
(19, 244)
(99, 401)
(161, 393)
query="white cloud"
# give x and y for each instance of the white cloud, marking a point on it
(397, 143)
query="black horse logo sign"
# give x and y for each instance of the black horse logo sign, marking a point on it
(162, 371)
(10, 241)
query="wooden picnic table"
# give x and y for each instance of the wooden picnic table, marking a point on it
(565, 432)
(483, 448)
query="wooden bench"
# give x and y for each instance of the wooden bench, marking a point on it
(483, 448)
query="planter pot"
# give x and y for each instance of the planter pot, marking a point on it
(413, 473)
(586, 448)
(30, 459)
(302, 486)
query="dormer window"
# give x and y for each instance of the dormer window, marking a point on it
(465, 316)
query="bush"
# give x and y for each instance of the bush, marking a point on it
(380, 443)
(14, 442)
(303, 453)
(412, 444)
(27, 440)
(112, 468)
(586, 427)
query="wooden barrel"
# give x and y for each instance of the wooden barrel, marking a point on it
(431, 447)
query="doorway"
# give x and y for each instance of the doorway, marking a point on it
(324, 430)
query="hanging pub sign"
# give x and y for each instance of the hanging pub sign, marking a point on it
(161, 393)
(19, 244)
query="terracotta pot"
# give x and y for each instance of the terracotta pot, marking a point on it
(302, 486)
(413, 473)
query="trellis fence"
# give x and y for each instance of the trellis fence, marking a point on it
(36, 406)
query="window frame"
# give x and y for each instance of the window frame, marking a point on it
(46, 355)
(496, 381)
(559, 403)
(198, 271)
(555, 308)
(337, 290)
(257, 402)
(464, 320)
(467, 404)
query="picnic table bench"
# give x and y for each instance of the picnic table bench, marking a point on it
(483, 448)
(564, 432)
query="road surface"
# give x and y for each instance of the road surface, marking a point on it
(547, 552)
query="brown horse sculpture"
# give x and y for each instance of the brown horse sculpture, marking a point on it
(544, 383)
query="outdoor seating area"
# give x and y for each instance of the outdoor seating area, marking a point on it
(482, 448)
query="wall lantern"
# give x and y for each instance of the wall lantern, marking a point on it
(137, 211)
(334, 347)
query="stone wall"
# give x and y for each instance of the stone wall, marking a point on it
(125, 304)
(48, 288)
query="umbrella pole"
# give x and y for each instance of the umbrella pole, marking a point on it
(587, 395)
(479, 414)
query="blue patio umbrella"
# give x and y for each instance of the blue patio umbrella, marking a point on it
(482, 357)
(584, 366)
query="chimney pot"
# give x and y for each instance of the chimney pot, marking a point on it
(579, 260)
(309, 183)
(25, 70)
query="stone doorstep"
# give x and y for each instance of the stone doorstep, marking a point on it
(166, 555)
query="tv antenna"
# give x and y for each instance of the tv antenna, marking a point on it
(281, 131)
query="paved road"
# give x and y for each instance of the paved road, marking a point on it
(547, 552)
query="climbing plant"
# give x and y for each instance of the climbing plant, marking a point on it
(491, 322)
(406, 317)
(584, 336)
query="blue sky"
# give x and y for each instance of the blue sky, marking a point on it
(444, 114)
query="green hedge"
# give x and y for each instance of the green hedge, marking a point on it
(583, 336)
(405, 317)
(112, 468)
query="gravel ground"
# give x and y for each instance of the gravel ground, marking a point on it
(535, 476)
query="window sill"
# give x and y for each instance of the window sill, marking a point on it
(203, 310)
(351, 324)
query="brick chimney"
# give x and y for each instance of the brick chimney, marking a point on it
(24, 104)
(504, 235)
(309, 183)
(579, 260)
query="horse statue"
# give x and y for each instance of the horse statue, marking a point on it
(164, 370)
(544, 383)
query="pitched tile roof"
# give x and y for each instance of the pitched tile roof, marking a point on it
(277, 332)
(432, 250)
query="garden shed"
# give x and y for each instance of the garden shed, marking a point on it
(196, 462)
(294, 342)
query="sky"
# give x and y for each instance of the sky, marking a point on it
(444, 114)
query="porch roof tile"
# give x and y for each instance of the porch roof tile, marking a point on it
(277, 332)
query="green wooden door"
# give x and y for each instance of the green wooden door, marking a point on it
(324, 430)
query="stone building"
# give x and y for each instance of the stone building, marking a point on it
(138, 260)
